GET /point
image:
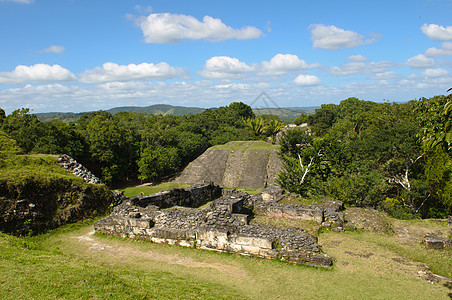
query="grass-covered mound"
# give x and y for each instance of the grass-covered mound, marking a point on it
(37, 194)
(238, 164)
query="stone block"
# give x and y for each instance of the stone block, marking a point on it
(431, 241)
(258, 242)
(271, 193)
(241, 218)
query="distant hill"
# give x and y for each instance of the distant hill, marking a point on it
(307, 110)
(285, 114)
(159, 109)
(66, 117)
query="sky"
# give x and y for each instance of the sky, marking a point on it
(86, 55)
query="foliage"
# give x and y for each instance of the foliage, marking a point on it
(122, 146)
(435, 115)
(256, 125)
(301, 154)
(438, 173)
(368, 153)
(303, 118)
(272, 128)
(358, 151)
(242, 110)
(156, 162)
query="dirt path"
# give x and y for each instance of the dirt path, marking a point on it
(125, 252)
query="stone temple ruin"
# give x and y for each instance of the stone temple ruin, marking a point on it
(201, 216)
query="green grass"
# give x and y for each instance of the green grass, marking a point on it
(241, 145)
(300, 201)
(36, 268)
(62, 265)
(151, 189)
(249, 191)
(17, 168)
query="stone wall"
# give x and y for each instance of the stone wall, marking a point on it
(37, 205)
(222, 226)
(77, 169)
(193, 196)
(328, 213)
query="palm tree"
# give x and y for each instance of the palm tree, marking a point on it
(272, 128)
(256, 125)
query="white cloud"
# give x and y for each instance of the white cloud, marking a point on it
(234, 86)
(224, 67)
(334, 38)
(54, 49)
(144, 71)
(143, 9)
(437, 32)
(282, 64)
(361, 68)
(435, 72)
(358, 58)
(19, 1)
(36, 73)
(420, 61)
(307, 80)
(445, 50)
(385, 75)
(172, 28)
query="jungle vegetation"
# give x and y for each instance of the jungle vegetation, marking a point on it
(391, 156)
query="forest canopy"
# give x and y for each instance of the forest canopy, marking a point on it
(391, 156)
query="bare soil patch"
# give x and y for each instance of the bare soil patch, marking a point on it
(123, 253)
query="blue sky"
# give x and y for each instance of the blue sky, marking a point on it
(84, 55)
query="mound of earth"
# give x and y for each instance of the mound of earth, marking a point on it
(250, 164)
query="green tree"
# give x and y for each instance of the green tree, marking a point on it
(435, 115)
(109, 147)
(157, 161)
(22, 127)
(301, 154)
(438, 173)
(256, 125)
(323, 118)
(242, 110)
(303, 118)
(272, 128)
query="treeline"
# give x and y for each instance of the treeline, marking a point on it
(395, 157)
(128, 146)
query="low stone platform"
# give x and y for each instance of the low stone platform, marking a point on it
(432, 241)
(221, 226)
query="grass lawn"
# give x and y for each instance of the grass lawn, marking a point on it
(73, 263)
(151, 189)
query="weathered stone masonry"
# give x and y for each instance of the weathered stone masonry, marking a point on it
(221, 226)
(77, 169)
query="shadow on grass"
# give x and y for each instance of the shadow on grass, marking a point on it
(449, 286)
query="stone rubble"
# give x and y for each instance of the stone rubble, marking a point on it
(174, 217)
(77, 169)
